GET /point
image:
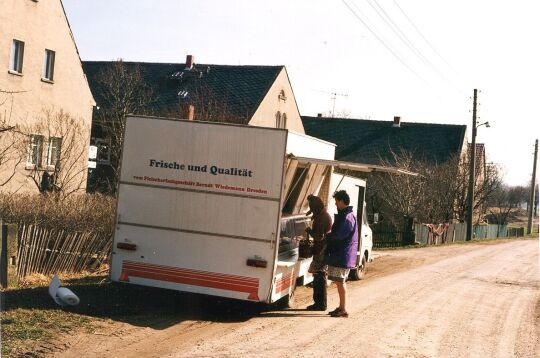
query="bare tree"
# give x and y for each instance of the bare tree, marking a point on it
(343, 113)
(439, 194)
(10, 157)
(208, 106)
(441, 190)
(61, 156)
(123, 91)
(485, 184)
(399, 196)
(505, 201)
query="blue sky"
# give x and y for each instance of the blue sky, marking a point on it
(374, 51)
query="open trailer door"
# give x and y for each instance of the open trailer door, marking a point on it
(354, 186)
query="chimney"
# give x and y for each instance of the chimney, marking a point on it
(190, 61)
(187, 111)
(397, 122)
(319, 115)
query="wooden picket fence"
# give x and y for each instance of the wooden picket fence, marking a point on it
(49, 251)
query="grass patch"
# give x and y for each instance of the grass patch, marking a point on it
(31, 320)
(22, 328)
(29, 317)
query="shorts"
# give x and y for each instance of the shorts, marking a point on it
(338, 274)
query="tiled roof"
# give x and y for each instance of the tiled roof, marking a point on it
(236, 90)
(370, 141)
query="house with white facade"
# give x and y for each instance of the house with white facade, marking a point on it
(45, 102)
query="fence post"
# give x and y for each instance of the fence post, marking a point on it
(8, 254)
(3, 256)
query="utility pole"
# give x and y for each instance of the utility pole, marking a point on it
(472, 168)
(533, 189)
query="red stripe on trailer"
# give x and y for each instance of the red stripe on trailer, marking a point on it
(189, 272)
(193, 277)
(284, 283)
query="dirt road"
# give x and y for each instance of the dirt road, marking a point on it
(455, 301)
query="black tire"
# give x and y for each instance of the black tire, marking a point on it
(359, 272)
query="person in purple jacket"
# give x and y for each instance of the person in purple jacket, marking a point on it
(341, 249)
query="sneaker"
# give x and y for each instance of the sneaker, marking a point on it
(315, 307)
(340, 313)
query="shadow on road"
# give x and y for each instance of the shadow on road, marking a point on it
(160, 308)
(136, 305)
(295, 313)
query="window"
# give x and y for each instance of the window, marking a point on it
(17, 53)
(278, 119)
(48, 65)
(53, 151)
(281, 120)
(35, 149)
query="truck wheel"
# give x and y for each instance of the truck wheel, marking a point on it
(359, 272)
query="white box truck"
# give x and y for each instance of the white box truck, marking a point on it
(219, 209)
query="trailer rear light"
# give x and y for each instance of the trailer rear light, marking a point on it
(126, 246)
(123, 277)
(257, 263)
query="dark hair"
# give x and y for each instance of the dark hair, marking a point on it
(316, 204)
(343, 196)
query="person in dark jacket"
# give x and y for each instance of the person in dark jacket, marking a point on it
(341, 249)
(321, 226)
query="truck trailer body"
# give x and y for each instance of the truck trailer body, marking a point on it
(219, 209)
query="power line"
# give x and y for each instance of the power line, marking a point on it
(403, 37)
(396, 30)
(375, 31)
(423, 37)
(384, 43)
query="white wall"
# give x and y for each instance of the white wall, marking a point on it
(41, 25)
(265, 116)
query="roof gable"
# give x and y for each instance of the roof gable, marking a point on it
(370, 141)
(232, 92)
